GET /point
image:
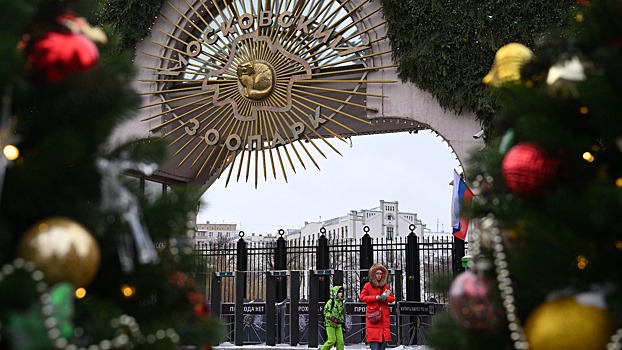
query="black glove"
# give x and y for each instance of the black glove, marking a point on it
(383, 297)
(334, 319)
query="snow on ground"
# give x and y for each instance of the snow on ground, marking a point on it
(230, 346)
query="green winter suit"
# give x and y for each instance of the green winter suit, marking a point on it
(334, 319)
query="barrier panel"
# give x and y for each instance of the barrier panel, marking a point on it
(414, 320)
(299, 316)
(253, 327)
(291, 321)
(410, 322)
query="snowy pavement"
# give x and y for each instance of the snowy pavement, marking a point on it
(229, 346)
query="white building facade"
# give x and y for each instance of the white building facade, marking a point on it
(384, 221)
(260, 237)
(207, 232)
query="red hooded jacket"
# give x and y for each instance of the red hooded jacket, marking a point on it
(371, 289)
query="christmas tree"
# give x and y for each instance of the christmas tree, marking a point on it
(89, 256)
(547, 242)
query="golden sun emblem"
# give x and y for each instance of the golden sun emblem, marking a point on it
(252, 87)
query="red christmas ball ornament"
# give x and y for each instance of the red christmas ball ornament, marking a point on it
(470, 302)
(55, 55)
(179, 279)
(528, 170)
(584, 3)
(201, 310)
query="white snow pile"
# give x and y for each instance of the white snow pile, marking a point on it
(230, 346)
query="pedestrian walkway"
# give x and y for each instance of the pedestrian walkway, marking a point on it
(229, 346)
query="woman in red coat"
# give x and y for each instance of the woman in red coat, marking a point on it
(377, 295)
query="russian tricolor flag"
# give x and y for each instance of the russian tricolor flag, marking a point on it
(460, 199)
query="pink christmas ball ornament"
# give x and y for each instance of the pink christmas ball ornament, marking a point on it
(470, 302)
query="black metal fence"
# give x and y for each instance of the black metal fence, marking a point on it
(295, 277)
(424, 264)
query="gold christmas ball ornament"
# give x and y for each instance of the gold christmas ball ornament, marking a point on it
(508, 62)
(62, 249)
(577, 322)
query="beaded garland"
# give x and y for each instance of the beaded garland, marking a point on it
(51, 324)
(488, 226)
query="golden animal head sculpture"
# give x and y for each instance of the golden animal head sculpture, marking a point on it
(246, 68)
(256, 79)
(508, 62)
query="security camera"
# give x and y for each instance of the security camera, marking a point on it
(479, 134)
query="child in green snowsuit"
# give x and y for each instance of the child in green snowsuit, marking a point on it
(334, 319)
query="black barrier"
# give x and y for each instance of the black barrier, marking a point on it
(356, 332)
(292, 322)
(216, 290)
(274, 279)
(397, 290)
(271, 287)
(299, 315)
(252, 328)
(240, 280)
(354, 327)
(414, 320)
(410, 321)
(294, 326)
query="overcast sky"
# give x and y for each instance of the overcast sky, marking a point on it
(413, 169)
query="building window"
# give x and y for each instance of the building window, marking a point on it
(389, 232)
(389, 217)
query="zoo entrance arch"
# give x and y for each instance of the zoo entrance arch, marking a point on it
(226, 81)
